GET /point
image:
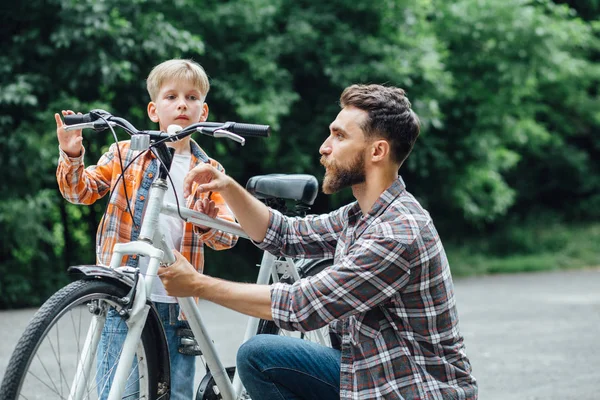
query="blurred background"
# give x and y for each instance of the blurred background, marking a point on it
(507, 91)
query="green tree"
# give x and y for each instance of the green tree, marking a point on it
(525, 108)
(507, 94)
(79, 55)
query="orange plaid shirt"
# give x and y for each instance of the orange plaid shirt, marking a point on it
(80, 185)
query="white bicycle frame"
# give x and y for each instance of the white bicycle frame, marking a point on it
(151, 244)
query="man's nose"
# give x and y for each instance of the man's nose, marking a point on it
(325, 148)
(182, 104)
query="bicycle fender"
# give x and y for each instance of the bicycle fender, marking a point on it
(87, 272)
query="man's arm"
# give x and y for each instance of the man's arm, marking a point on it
(182, 280)
(252, 215)
(373, 269)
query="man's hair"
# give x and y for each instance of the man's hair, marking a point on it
(175, 70)
(390, 116)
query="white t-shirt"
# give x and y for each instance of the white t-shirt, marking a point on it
(172, 227)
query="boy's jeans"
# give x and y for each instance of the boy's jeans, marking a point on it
(183, 367)
(280, 367)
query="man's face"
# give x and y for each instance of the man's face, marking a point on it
(178, 103)
(343, 152)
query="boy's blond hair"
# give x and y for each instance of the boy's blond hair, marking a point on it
(176, 69)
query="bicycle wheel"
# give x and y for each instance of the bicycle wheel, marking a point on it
(319, 335)
(45, 361)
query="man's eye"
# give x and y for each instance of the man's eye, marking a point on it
(170, 97)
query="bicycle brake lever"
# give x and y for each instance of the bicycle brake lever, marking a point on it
(222, 133)
(98, 125)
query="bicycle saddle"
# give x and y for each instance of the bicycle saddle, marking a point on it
(300, 187)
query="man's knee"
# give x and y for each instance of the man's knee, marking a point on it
(250, 353)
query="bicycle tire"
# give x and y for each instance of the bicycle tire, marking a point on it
(320, 335)
(33, 372)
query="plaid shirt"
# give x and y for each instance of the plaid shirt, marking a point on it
(81, 185)
(389, 297)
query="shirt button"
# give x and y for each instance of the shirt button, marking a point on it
(150, 175)
(142, 197)
(134, 257)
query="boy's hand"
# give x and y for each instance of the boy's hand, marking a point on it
(207, 206)
(208, 178)
(70, 142)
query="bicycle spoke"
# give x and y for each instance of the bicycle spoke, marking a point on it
(161, 396)
(107, 376)
(61, 372)
(132, 394)
(59, 361)
(44, 383)
(44, 366)
(84, 356)
(106, 379)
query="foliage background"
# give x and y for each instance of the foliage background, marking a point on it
(507, 162)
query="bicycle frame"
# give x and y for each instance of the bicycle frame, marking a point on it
(151, 244)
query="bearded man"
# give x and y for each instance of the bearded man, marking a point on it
(389, 295)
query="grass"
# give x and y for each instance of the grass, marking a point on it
(528, 248)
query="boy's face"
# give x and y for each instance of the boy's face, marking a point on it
(178, 103)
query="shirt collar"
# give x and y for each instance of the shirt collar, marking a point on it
(195, 149)
(387, 197)
(383, 202)
(198, 152)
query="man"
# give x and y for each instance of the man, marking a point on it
(389, 295)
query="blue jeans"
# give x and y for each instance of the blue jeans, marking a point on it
(280, 367)
(183, 367)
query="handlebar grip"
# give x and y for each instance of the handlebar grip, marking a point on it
(250, 130)
(73, 119)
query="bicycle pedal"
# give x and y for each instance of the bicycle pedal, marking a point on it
(187, 344)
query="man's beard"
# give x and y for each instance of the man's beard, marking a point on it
(338, 177)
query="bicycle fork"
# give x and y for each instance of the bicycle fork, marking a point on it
(136, 321)
(87, 357)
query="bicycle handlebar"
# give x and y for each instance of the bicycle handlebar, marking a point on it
(73, 119)
(100, 119)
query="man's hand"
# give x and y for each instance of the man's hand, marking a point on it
(252, 215)
(180, 278)
(70, 142)
(208, 178)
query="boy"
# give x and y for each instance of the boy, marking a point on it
(177, 90)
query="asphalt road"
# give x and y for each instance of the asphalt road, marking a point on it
(529, 336)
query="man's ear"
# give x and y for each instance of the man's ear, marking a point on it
(152, 114)
(380, 149)
(204, 115)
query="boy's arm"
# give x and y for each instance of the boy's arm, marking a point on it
(77, 184)
(80, 185)
(71, 142)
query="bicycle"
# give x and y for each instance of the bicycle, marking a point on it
(44, 366)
